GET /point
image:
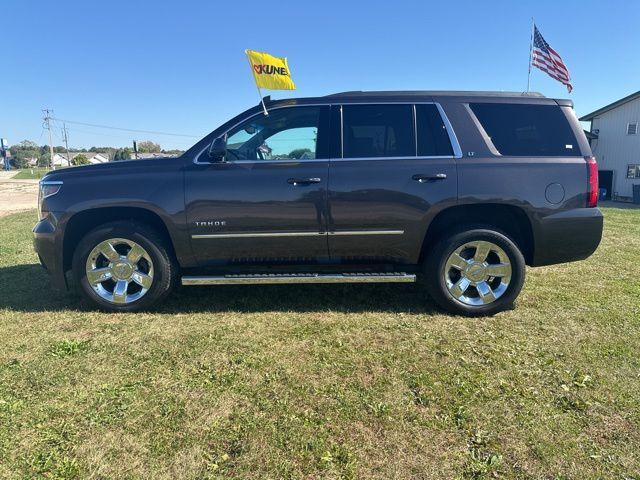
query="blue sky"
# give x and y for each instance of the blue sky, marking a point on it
(180, 66)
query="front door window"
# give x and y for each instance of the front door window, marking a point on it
(284, 134)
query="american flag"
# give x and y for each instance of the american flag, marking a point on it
(548, 60)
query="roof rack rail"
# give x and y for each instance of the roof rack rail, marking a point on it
(357, 93)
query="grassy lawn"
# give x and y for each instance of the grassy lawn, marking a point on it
(31, 173)
(353, 381)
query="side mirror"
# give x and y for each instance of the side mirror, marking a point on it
(218, 149)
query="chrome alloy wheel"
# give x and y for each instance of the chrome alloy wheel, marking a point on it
(477, 273)
(119, 270)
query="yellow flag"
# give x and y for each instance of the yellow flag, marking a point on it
(270, 72)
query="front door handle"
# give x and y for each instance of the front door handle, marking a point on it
(419, 177)
(296, 182)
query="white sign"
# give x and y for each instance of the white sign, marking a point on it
(4, 143)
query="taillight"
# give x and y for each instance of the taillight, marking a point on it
(592, 182)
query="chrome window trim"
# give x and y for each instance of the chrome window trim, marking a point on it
(409, 158)
(267, 162)
(296, 234)
(341, 133)
(415, 128)
(453, 139)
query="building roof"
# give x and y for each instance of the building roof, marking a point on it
(611, 106)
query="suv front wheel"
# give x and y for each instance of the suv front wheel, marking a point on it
(123, 267)
(475, 272)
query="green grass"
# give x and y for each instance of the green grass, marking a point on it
(339, 381)
(31, 173)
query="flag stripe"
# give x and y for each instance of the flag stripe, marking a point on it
(543, 65)
(542, 57)
(548, 60)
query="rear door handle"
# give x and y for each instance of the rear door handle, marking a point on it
(419, 177)
(303, 181)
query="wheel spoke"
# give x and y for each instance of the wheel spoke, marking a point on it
(142, 279)
(135, 253)
(120, 292)
(485, 292)
(455, 260)
(460, 287)
(482, 250)
(99, 275)
(107, 249)
(498, 270)
(110, 273)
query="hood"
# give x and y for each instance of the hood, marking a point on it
(109, 168)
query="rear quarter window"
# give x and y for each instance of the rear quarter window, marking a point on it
(527, 130)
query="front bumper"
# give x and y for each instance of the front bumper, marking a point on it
(49, 249)
(567, 236)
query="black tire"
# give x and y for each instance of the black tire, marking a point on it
(165, 269)
(437, 259)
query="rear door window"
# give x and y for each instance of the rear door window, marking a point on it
(371, 131)
(433, 138)
(527, 130)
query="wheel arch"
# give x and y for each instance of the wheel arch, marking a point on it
(86, 220)
(509, 219)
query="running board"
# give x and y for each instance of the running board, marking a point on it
(393, 277)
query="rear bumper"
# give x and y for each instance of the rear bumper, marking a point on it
(567, 236)
(45, 242)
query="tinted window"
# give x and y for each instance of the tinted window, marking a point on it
(527, 130)
(378, 131)
(433, 139)
(286, 133)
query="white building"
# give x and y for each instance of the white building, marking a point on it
(60, 159)
(615, 141)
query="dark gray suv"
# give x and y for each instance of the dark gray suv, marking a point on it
(462, 189)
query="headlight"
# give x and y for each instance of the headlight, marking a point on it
(47, 189)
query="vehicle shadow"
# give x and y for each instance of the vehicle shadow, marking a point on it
(26, 288)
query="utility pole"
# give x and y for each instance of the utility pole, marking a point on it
(135, 149)
(65, 136)
(47, 120)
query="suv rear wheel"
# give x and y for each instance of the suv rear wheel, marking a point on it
(477, 271)
(123, 267)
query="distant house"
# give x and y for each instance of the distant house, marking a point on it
(615, 141)
(60, 159)
(145, 156)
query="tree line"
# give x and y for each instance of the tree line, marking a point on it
(23, 152)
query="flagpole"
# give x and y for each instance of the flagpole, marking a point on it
(264, 107)
(530, 54)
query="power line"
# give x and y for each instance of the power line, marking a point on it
(118, 135)
(126, 129)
